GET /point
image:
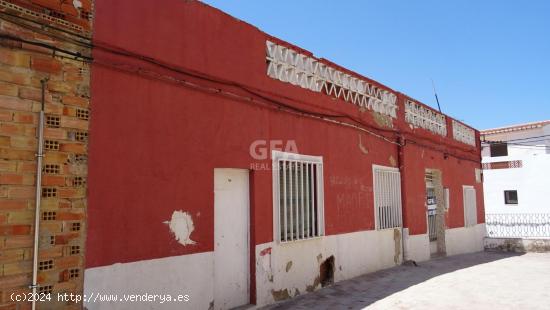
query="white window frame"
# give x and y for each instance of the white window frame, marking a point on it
(399, 214)
(276, 157)
(467, 221)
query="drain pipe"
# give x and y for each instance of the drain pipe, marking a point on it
(38, 195)
(400, 165)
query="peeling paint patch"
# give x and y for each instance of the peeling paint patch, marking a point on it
(265, 251)
(77, 4)
(362, 147)
(382, 120)
(280, 294)
(392, 160)
(316, 283)
(181, 225)
(397, 243)
(288, 266)
(264, 260)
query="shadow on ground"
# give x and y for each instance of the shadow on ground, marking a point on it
(364, 290)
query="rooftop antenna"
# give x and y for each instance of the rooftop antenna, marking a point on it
(436, 99)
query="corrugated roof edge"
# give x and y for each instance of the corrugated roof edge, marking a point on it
(518, 127)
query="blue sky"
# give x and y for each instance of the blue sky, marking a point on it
(490, 60)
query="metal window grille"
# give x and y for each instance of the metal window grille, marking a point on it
(387, 197)
(518, 225)
(470, 206)
(298, 196)
(432, 227)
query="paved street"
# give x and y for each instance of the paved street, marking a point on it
(485, 280)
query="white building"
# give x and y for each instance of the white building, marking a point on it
(516, 168)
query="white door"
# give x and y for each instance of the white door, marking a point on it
(231, 250)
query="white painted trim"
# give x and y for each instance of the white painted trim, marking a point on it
(190, 274)
(277, 155)
(380, 167)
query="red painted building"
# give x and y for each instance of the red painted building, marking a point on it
(195, 187)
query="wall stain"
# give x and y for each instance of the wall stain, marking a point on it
(288, 266)
(362, 147)
(397, 243)
(382, 120)
(280, 294)
(392, 161)
(316, 283)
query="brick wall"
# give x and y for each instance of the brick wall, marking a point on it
(63, 212)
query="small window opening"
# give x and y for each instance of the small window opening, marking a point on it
(511, 197)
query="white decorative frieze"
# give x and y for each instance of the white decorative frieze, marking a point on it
(289, 66)
(423, 117)
(463, 134)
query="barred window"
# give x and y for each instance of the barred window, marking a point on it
(387, 197)
(298, 196)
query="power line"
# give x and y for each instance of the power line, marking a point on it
(534, 137)
(510, 144)
(199, 75)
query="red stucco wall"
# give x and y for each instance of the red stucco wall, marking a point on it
(154, 143)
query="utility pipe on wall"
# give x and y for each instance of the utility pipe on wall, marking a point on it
(400, 164)
(38, 196)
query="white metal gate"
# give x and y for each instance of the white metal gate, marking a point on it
(387, 197)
